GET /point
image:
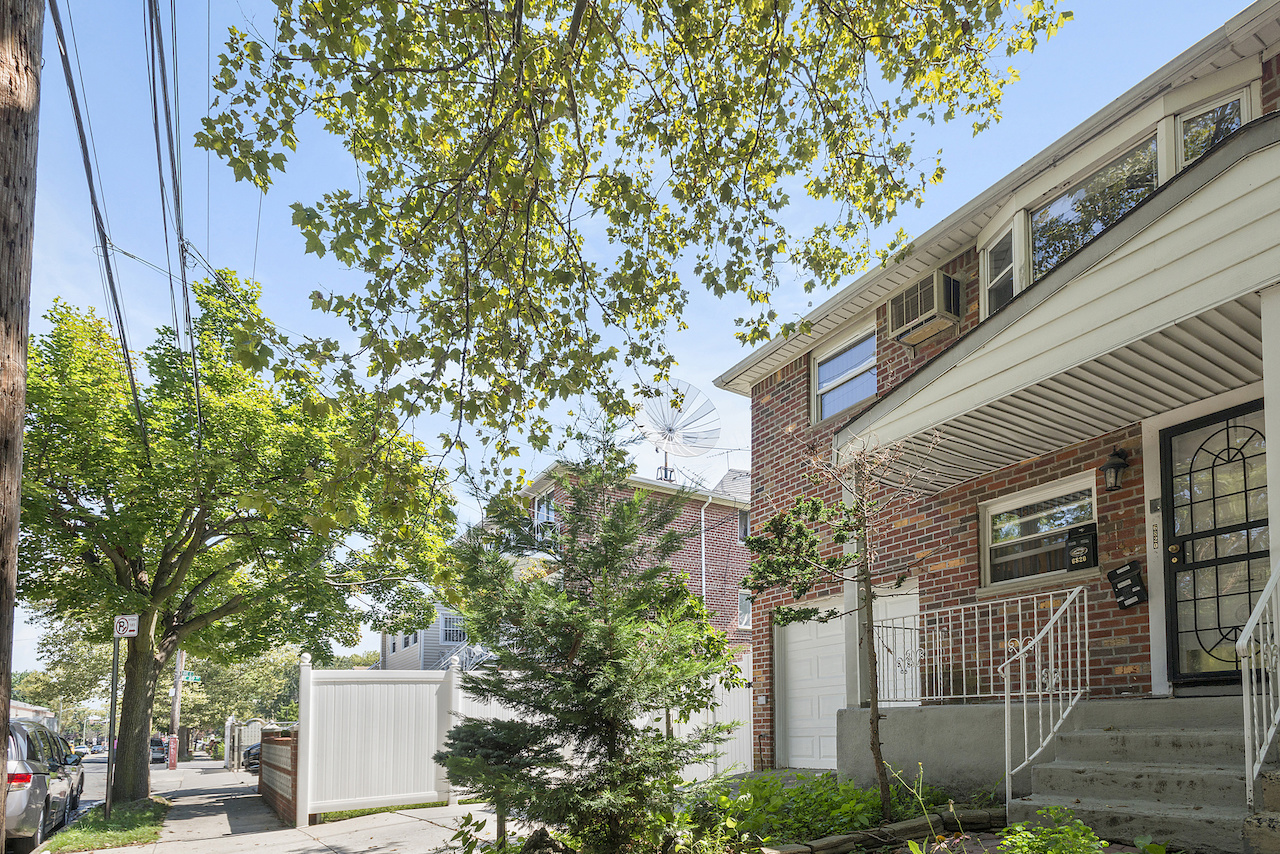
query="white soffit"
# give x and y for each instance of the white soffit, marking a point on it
(1212, 353)
(1254, 31)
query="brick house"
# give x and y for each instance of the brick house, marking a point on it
(1104, 306)
(714, 558)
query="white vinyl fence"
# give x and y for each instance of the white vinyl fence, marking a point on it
(366, 737)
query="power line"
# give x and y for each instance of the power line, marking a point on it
(100, 226)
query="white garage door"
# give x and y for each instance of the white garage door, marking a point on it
(812, 691)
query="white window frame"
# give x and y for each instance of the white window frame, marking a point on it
(1076, 483)
(845, 342)
(1197, 110)
(744, 609)
(544, 500)
(744, 524)
(393, 642)
(1020, 227)
(451, 622)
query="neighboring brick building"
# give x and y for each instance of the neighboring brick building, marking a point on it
(713, 557)
(1110, 294)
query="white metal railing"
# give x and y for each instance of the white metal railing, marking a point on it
(469, 655)
(1048, 674)
(1260, 675)
(954, 654)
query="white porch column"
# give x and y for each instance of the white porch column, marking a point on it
(1271, 382)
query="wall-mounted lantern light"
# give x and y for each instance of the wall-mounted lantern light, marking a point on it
(1116, 463)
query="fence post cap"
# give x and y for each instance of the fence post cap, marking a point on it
(455, 663)
(306, 659)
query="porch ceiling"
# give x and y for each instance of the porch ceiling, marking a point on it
(1212, 353)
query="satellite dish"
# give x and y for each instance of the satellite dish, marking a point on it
(681, 421)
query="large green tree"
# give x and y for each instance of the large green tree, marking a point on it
(222, 523)
(599, 645)
(537, 180)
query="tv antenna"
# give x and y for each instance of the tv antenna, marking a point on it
(681, 421)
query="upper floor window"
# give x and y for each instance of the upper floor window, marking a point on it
(1027, 534)
(999, 278)
(846, 377)
(1077, 216)
(393, 643)
(544, 514)
(1202, 130)
(744, 524)
(452, 629)
(744, 609)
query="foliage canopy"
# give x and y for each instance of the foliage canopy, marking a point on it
(540, 181)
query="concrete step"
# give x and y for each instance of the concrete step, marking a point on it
(1157, 782)
(1262, 833)
(1202, 829)
(1218, 747)
(1186, 712)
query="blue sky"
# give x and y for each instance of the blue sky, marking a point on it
(1111, 45)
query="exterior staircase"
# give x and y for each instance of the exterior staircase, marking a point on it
(1169, 769)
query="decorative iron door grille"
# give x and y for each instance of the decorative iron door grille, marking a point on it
(1216, 541)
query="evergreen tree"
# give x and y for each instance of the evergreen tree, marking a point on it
(600, 647)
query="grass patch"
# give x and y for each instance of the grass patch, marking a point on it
(134, 823)
(342, 815)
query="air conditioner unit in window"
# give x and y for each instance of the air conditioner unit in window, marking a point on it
(932, 305)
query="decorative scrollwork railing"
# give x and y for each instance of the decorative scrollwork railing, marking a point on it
(1258, 648)
(948, 655)
(1048, 675)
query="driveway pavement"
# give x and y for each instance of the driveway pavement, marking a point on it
(216, 811)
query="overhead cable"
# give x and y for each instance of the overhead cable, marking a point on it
(100, 227)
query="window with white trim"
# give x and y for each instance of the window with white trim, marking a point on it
(744, 525)
(846, 377)
(544, 514)
(1072, 219)
(1203, 127)
(998, 272)
(452, 630)
(744, 609)
(393, 643)
(1025, 534)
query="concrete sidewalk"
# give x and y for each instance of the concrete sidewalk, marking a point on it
(216, 811)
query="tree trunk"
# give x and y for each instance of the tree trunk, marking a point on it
(21, 33)
(863, 481)
(142, 667)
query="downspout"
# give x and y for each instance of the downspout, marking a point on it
(703, 538)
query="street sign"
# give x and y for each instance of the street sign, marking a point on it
(190, 676)
(126, 626)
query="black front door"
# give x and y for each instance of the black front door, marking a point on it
(1216, 545)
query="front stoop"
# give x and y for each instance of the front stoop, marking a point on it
(1181, 783)
(1262, 829)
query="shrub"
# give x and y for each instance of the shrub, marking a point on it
(1062, 833)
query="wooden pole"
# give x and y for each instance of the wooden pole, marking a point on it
(21, 32)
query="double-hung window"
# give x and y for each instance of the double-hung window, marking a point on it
(1026, 534)
(999, 275)
(744, 524)
(846, 377)
(452, 631)
(544, 514)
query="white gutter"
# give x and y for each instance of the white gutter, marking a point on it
(703, 538)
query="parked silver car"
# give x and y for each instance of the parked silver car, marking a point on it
(45, 783)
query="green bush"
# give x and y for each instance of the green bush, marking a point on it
(1062, 833)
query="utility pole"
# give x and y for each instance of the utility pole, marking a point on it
(21, 34)
(176, 712)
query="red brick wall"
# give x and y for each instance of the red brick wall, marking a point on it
(937, 539)
(1271, 85)
(282, 803)
(727, 559)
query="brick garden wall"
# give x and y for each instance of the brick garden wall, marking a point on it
(278, 776)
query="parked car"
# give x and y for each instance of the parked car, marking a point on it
(83, 750)
(253, 758)
(45, 783)
(99, 748)
(159, 750)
